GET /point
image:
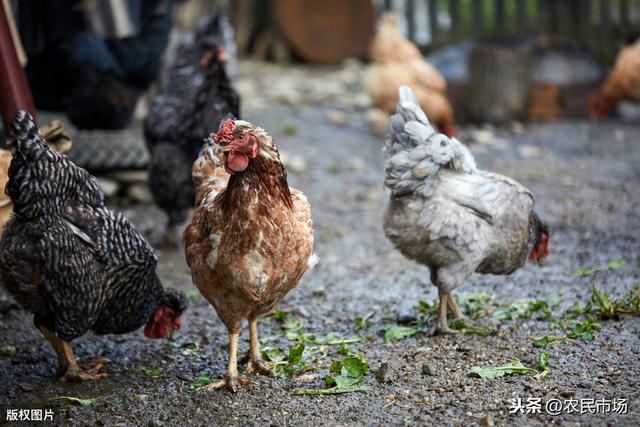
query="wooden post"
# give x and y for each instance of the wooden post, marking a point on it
(410, 12)
(521, 15)
(477, 18)
(454, 13)
(433, 20)
(14, 89)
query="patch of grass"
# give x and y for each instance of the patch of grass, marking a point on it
(523, 309)
(190, 348)
(288, 128)
(604, 308)
(583, 330)
(362, 322)
(192, 295)
(334, 168)
(612, 266)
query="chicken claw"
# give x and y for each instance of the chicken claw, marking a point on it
(258, 365)
(88, 371)
(232, 383)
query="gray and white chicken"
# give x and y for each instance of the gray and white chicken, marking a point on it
(449, 215)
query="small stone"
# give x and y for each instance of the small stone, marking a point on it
(586, 384)
(440, 389)
(109, 187)
(129, 176)
(8, 350)
(26, 387)
(356, 165)
(141, 397)
(486, 421)
(337, 117)
(406, 316)
(531, 151)
(517, 127)
(566, 393)
(428, 369)
(377, 120)
(140, 192)
(385, 373)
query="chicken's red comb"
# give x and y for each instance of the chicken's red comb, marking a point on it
(225, 133)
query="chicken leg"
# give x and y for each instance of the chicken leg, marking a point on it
(69, 369)
(256, 363)
(231, 380)
(446, 302)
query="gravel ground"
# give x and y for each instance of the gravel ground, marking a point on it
(585, 178)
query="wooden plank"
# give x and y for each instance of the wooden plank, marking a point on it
(433, 20)
(553, 16)
(624, 15)
(607, 44)
(410, 13)
(500, 15)
(521, 15)
(477, 18)
(454, 13)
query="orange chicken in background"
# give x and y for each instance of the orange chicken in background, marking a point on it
(622, 83)
(396, 61)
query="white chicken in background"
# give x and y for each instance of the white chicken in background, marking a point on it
(450, 216)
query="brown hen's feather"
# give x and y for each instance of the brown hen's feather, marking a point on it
(251, 236)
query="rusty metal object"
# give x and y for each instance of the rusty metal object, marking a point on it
(326, 31)
(14, 89)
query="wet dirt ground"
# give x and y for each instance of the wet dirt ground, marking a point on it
(586, 180)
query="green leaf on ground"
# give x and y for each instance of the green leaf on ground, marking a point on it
(462, 326)
(546, 341)
(397, 333)
(362, 322)
(76, 400)
(543, 365)
(192, 295)
(190, 348)
(201, 381)
(351, 371)
(583, 330)
(613, 265)
(153, 373)
(514, 367)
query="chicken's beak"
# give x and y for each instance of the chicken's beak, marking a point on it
(541, 260)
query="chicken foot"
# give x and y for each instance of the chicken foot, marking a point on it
(68, 367)
(446, 302)
(231, 380)
(256, 363)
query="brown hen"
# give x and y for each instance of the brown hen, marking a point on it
(397, 61)
(251, 236)
(622, 83)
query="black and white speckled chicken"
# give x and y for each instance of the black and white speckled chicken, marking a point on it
(76, 265)
(197, 97)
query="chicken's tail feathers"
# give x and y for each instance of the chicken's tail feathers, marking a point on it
(26, 138)
(416, 151)
(408, 113)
